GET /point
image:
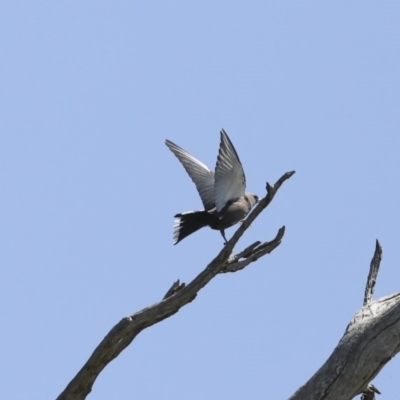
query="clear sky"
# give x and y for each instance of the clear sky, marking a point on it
(90, 91)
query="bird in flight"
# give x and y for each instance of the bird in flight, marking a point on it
(222, 192)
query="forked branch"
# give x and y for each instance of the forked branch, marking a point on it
(371, 339)
(122, 334)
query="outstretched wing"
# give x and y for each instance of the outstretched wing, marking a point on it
(201, 175)
(230, 181)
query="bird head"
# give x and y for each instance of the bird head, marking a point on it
(252, 199)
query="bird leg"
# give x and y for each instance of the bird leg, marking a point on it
(223, 235)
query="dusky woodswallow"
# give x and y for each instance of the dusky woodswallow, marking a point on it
(222, 193)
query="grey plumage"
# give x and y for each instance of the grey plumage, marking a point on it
(223, 193)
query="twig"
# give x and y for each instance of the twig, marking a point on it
(176, 287)
(369, 392)
(373, 273)
(247, 251)
(257, 252)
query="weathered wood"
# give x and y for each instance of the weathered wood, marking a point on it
(373, 273)
(371, 339)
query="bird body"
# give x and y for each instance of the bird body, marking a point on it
(222, 193)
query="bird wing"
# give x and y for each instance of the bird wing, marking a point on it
(230, 181)
(201, 175)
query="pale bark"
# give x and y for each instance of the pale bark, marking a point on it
(371, 339)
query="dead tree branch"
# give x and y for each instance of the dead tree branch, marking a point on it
(369, 392)
(373, 273)
(371, 339)
(122, 334)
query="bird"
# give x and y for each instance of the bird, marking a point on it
(222, 192)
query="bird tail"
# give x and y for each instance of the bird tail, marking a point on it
(189, 222)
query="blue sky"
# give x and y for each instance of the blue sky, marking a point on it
(90, 91)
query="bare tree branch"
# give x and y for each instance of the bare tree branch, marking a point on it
(254, 254)
(122, 334)
(370, 341)
(373, 273)
(369, 392)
